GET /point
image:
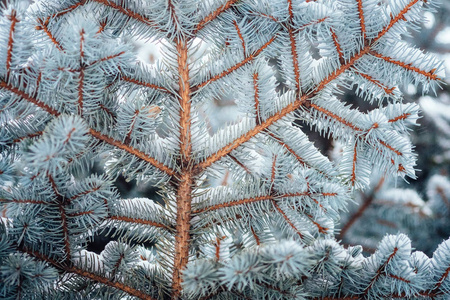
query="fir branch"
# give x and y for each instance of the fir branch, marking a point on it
(214, 15)
(297, 191)
(133, 151)
(396, 19)
(65, 227)
(337, 45)
(336, 117)
(129, 13)
(43, 25)
(24, 201)
(81, 74)
(400, 117)
(67, 10)
(240, 64)
(13, 18)
(260, 198)
(380, 271)
(238, 30)
(294, 106)
(291, 224)
(146, 84)
(105, 138)
(387, 90)
(361, 19)
(92, 276)
(138, 221)
(355, 157)
(429, 74)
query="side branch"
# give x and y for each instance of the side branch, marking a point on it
(361, 19)
(138, 221)
(14, 21)
(336, 117)
(400, 16)
(214, 15)
(67, 10)
(278, 208)
(429, 75)
(129, 13)
(90, 275)
(241, 37)
(380, 271)
(146, 84)
(295, 105)
(62, 211)
(27, 201)
(258, 199)
(131, 150)
(43, 25)
(387, 90)
(247, 136)
(92, 132)
(236, 66)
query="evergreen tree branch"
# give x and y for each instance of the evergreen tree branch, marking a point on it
(146, 84)
(260, 198)
(31, 135)
(238, 30)
(397, 18)
(245, 61)
(380, 271)
(336, 117)
(65, 227)
(213, 15)
(429, 75)
(13, 18)
(173, 15)
(355, 157)
(275, 204)
(25, 201)
(129, 13)
(294, 49)
(294, 106)
(44, 26)
(67, 10)
(105, 138)
(81, 75)
(291, 224)
(361, 19)
(139, 154)
(92, 276)
(338, 46)
(139, 221)
(400, 117)
(387, 90)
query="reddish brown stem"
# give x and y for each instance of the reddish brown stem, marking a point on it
(214, 15)
(14, 20)
(185, 179)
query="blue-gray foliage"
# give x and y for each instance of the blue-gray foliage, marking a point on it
(250, 208)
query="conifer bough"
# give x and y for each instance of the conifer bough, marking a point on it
(250, 209)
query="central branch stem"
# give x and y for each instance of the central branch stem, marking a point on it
(185, 177)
